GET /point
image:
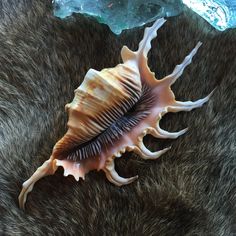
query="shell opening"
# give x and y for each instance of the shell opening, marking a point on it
(94, 147)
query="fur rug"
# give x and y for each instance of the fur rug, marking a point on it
(191, 190)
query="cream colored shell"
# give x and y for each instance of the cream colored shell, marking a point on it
(102, 98)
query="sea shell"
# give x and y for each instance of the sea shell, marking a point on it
(111, 112)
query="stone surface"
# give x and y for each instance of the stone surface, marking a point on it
(119, 15)
(219, 13)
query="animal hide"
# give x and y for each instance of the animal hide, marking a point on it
(191, 190)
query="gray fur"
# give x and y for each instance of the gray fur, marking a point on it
(191, 190)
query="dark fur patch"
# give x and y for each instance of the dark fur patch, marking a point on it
(189, 191)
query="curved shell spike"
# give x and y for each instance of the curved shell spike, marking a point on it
(178, 70)
(165, 134)
(48, 168)
(112, 110)
(113, 176)
(146, 154)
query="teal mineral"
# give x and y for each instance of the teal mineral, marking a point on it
(119, 15)
(219, 13)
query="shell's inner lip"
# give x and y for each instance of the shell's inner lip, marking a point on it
(125, 123)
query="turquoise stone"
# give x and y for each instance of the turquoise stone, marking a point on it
(219, 13)
(119, 15)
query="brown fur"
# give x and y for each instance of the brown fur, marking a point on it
(188, 191)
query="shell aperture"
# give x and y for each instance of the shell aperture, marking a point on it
(111, 112)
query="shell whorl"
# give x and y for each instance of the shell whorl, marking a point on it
(106, 95)
(102, 98)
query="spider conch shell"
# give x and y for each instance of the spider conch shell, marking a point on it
(111, 112)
